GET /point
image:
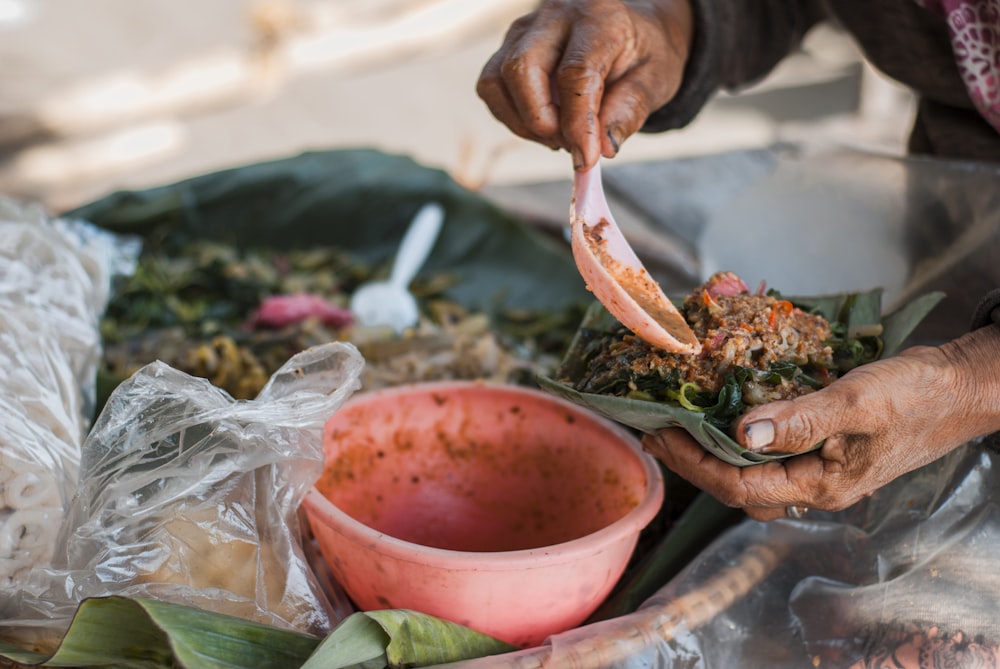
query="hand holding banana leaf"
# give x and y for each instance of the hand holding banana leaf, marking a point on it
(876, 423)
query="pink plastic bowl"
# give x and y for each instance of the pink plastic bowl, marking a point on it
(503, 508)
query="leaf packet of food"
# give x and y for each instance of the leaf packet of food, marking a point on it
(654, 399)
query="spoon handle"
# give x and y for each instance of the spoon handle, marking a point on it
(417, 243)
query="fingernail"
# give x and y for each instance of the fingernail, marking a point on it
(578, 159)
(615, 137)
(759, 435)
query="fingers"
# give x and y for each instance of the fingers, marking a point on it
(515, 83)
(580, 83)
(617, 66)
(598, 52)
(764, 491)
(625, 106)
(799, 425)
(546, 83)
(585, 75)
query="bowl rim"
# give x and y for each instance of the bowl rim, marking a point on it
(316, 504)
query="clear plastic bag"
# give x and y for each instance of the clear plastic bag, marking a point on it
(189, 496)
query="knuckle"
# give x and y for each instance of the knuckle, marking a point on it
(514, 66)
(578, 76)
(486, 86)
(523, 23)
(631, 98)
(541, 129)
(802, 427)
(833, 495)
(735, 498)
(627, 110)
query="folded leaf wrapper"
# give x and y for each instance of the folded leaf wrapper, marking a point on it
(855, 310)
(189, 496)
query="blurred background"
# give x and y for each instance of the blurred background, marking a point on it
(101, 95)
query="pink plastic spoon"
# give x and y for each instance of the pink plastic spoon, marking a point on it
(615, 274)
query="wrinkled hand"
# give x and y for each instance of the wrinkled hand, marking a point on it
(583, 75)
(879, 421)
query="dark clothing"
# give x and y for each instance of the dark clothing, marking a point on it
(737, 42)
(988, 311)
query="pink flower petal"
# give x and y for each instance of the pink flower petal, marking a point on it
(279, 311)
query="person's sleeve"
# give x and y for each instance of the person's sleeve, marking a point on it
(988, 310)
(735, 43)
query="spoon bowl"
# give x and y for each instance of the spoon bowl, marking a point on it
(390, 303)
(615, 274)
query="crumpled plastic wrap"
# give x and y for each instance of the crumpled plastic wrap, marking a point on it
(910, 571)
(189, 496)
(55, 277)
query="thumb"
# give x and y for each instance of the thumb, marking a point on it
(800, 424)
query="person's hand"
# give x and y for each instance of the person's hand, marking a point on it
(876, 423)
(584, 75)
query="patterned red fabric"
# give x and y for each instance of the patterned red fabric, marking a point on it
(974, 26)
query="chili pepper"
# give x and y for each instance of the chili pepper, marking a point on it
(710, 302)
(781, 307)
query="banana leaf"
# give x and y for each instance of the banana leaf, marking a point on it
(858, 312)
(362, 201)
(133, 633)
(400, 638)
(119, 632)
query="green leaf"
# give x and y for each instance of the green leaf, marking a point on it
(123, 632)
(361, 200)
(899, 324)
(650, 417)
(400, 638)
(358, 642)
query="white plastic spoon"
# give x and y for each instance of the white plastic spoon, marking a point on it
(615, 274)
(390, 303)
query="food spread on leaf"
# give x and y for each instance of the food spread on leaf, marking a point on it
(756, 347)
(234, 316)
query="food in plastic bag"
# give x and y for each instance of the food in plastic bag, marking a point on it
(54, 282)
(189, 496)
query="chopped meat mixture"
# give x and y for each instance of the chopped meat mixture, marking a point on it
(738, 330)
